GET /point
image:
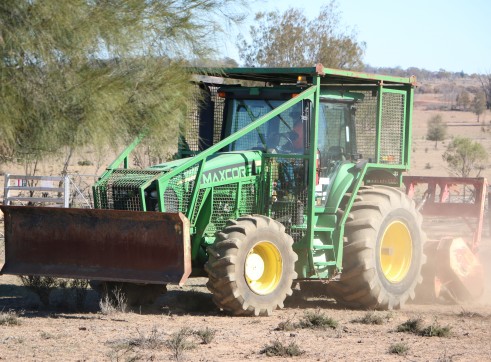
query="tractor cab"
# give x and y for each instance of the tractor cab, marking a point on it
(288, 134)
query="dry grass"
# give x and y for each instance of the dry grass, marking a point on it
(9, 318)
(400, 349)
(316, 320)
(412, 325)
(206, 335)
(179, 342)
(468, 314)
(436, 330)
(278, 349)
(113, 302)
(373, 318)
(415, 326)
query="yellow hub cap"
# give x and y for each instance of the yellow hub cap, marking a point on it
(263, 268)
(396, 252)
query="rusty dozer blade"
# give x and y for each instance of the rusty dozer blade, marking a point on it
(111, 245)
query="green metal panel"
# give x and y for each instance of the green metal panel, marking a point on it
(289, 75)
(392, 133)
(204, 183)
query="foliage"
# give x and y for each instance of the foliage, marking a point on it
(415, 326)
(278, 349)
(400, 349)
(290, 39)
(9, 318)
(469, 314)
(412, 325)
(485, 80)
(113, 301)
(317, 319)
(372, 318)
(98, 72)
(437, 130)
(464, 155)
(287, 325)
(42, 286)
(479, 104)
(206, 335)
(436, 330)
(179, 342)
(463, 100)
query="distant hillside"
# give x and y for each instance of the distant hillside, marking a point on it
(421, 74)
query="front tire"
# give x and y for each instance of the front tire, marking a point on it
(383, 251)
(251, 266)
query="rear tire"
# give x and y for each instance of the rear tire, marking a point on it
(251, 266)
(383, 251)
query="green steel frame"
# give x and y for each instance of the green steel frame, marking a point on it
(320, 224)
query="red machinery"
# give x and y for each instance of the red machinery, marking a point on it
(453, 269)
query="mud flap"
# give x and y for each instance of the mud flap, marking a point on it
(110, 245)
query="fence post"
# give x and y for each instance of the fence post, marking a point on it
(66, 186)
(6, 189)
(489, 213)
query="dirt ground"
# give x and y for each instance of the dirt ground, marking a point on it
(161, 332)
(152, 333)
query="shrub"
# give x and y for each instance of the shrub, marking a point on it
(79, 288)
(85, 163)
(415, 326)
(287, 325)
(179, 343)
(400, 349)
(371, 318)
(317, 320)
(153, 340)
(112, 302)
(278, 349)
(206, 335)
(435, 330)
(412, 325)
(468, 314)
(10, 318)
(42, 286)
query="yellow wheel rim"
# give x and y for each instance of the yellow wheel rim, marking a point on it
(263, 268)
(396, 252)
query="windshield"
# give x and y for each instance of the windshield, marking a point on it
(334, 137)
(283, 134)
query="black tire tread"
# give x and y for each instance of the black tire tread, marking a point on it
(359, 284)
(221, 266)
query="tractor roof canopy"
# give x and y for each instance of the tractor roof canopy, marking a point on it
(328, 76)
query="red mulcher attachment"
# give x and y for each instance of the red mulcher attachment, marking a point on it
(453, 269)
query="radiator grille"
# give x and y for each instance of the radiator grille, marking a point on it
(121, 190)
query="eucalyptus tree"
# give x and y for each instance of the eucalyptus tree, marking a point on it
(99, 71)
(291, 39)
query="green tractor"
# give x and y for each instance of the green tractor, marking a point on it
(285, 175)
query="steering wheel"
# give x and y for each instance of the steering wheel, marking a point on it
(275, 138)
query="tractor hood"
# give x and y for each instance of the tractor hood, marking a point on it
(221, 167)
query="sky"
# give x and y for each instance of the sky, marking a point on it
(454, 35)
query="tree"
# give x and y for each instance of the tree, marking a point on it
(485, 80)
(479, 104)
(98, 72)
(437, 130)
(464, 155)
(463, 100)
(290, 39)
